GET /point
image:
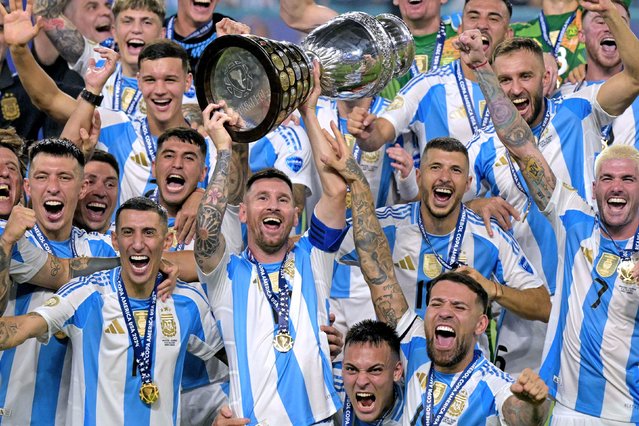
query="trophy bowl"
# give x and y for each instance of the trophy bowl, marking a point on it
(266, 80)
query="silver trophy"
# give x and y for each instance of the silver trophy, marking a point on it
(266, 80)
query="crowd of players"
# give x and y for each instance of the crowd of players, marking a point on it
(461, 249)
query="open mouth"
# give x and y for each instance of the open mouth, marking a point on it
(53, 207)
(104, 28)
(617, 202)
(444, 337)
(608, 45)
(201, 3)
(175, 182)
(442, 194)
(365, 399)
(135, 44)
(4, 192)
(521, 103)
(272, 223)
(139, 262)
(96, 209)
(413, 2)
(485, 41)
(162, 103)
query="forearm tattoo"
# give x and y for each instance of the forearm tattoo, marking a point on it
(239, 173)
(8, 330)
(83, 266)
(54, 265)
(211, 211)
(68, 41)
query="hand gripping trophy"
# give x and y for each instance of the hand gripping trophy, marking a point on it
(266, 80)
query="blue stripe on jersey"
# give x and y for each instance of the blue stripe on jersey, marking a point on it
(632, 372)
(386, 174)
(396, 212)
(92, 334)
(415, 80)
(242, 274)
(291, 138)
(262, 155)
(341, 284)
(433, 110)
(110, 135)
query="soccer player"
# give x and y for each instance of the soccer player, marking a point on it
(604, 60)
(95, 208)
(482, 392)
(591, 335)
(273, 298)
(117, 325)
(444, 102)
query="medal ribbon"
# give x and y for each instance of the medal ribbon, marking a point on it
(116, 103)
(427, 419)
(142, 348)
(543, 25)
(437, 53)
(155, 197)
(455, 247)
(468, 102)
(170, 30)
(44, 241)
(149, 144)
(280, 303)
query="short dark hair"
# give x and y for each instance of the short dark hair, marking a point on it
(142, 204)
(619, 2)
(374, 333)
(153, 6)
(446, 144)
(269, 173)
(186, 135)
(57, 147)
(10, 140)
(106, 157)
(516, 44)
(462, 279)
(508, 4)
(164, 48)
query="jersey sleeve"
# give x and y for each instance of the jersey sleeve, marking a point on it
(563, 199)
(295, 157)
(204, 341)
(516, 269)
(80, 66)
(217, 282)
(26, 261)
(323, 237)
(402, 110)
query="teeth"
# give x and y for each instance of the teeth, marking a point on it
(4, 187)
(140, 258)
(364, 394)
(519, 101)
(272, 219)
(97, 205)
(53, 203)
(444, 190)
(616, 200)
(162, 101)
(445, 328)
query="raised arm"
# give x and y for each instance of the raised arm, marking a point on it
(528, 404)
(331, 208)
(18, 32)
(64, 36)
(209, 241)
(304, 15)
(511, 128)
(372, 247)
(620, 90)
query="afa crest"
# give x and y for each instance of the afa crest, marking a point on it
(10, 107)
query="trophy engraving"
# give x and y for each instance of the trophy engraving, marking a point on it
(266, 80)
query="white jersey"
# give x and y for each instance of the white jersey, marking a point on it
(592, 346)
(104, 387)
(416, 264)
(126, 141)
(34, 378)
(267, 386)
(431, 105)
(26, 259)
(624, 127)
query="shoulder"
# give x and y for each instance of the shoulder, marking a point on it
(98, 282)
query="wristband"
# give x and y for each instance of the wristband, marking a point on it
(95, 100)
(478, 66)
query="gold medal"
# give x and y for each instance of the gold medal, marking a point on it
(625, 269)
(149, 393)
(283, 342)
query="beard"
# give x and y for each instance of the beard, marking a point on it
(447, 360)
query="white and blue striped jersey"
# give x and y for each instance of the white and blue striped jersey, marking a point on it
(122, 137)
(592, 346)
(105, 381)
(499, 258)
(26, 259)
(479, 402)
(431, 106)
(34, 378)
(624, 127)
(267, 386)
(287, 149)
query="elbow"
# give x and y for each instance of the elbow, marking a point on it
(543, 305)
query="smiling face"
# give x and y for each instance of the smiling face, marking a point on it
(601, 46)
(522, 75)
(140, 238)
(178, 169)
(491, 17)
(269, 213)
(55, 184)
(93, 18)
(443, 181)
(10, 181)
(96, 207)
(163, 83)
(616, 190)
(453, 322)
(196, 12)
(369, 372)
(133, 30)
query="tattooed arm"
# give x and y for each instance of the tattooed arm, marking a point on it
(511, 128)
(15, 330)
(57, 272)
(372, 247)
(209, 241)
(528, 404)
(64, 36)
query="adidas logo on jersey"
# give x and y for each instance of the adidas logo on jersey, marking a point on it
(140, 159)
(501, 162)
(406, 263)
(114, 328)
